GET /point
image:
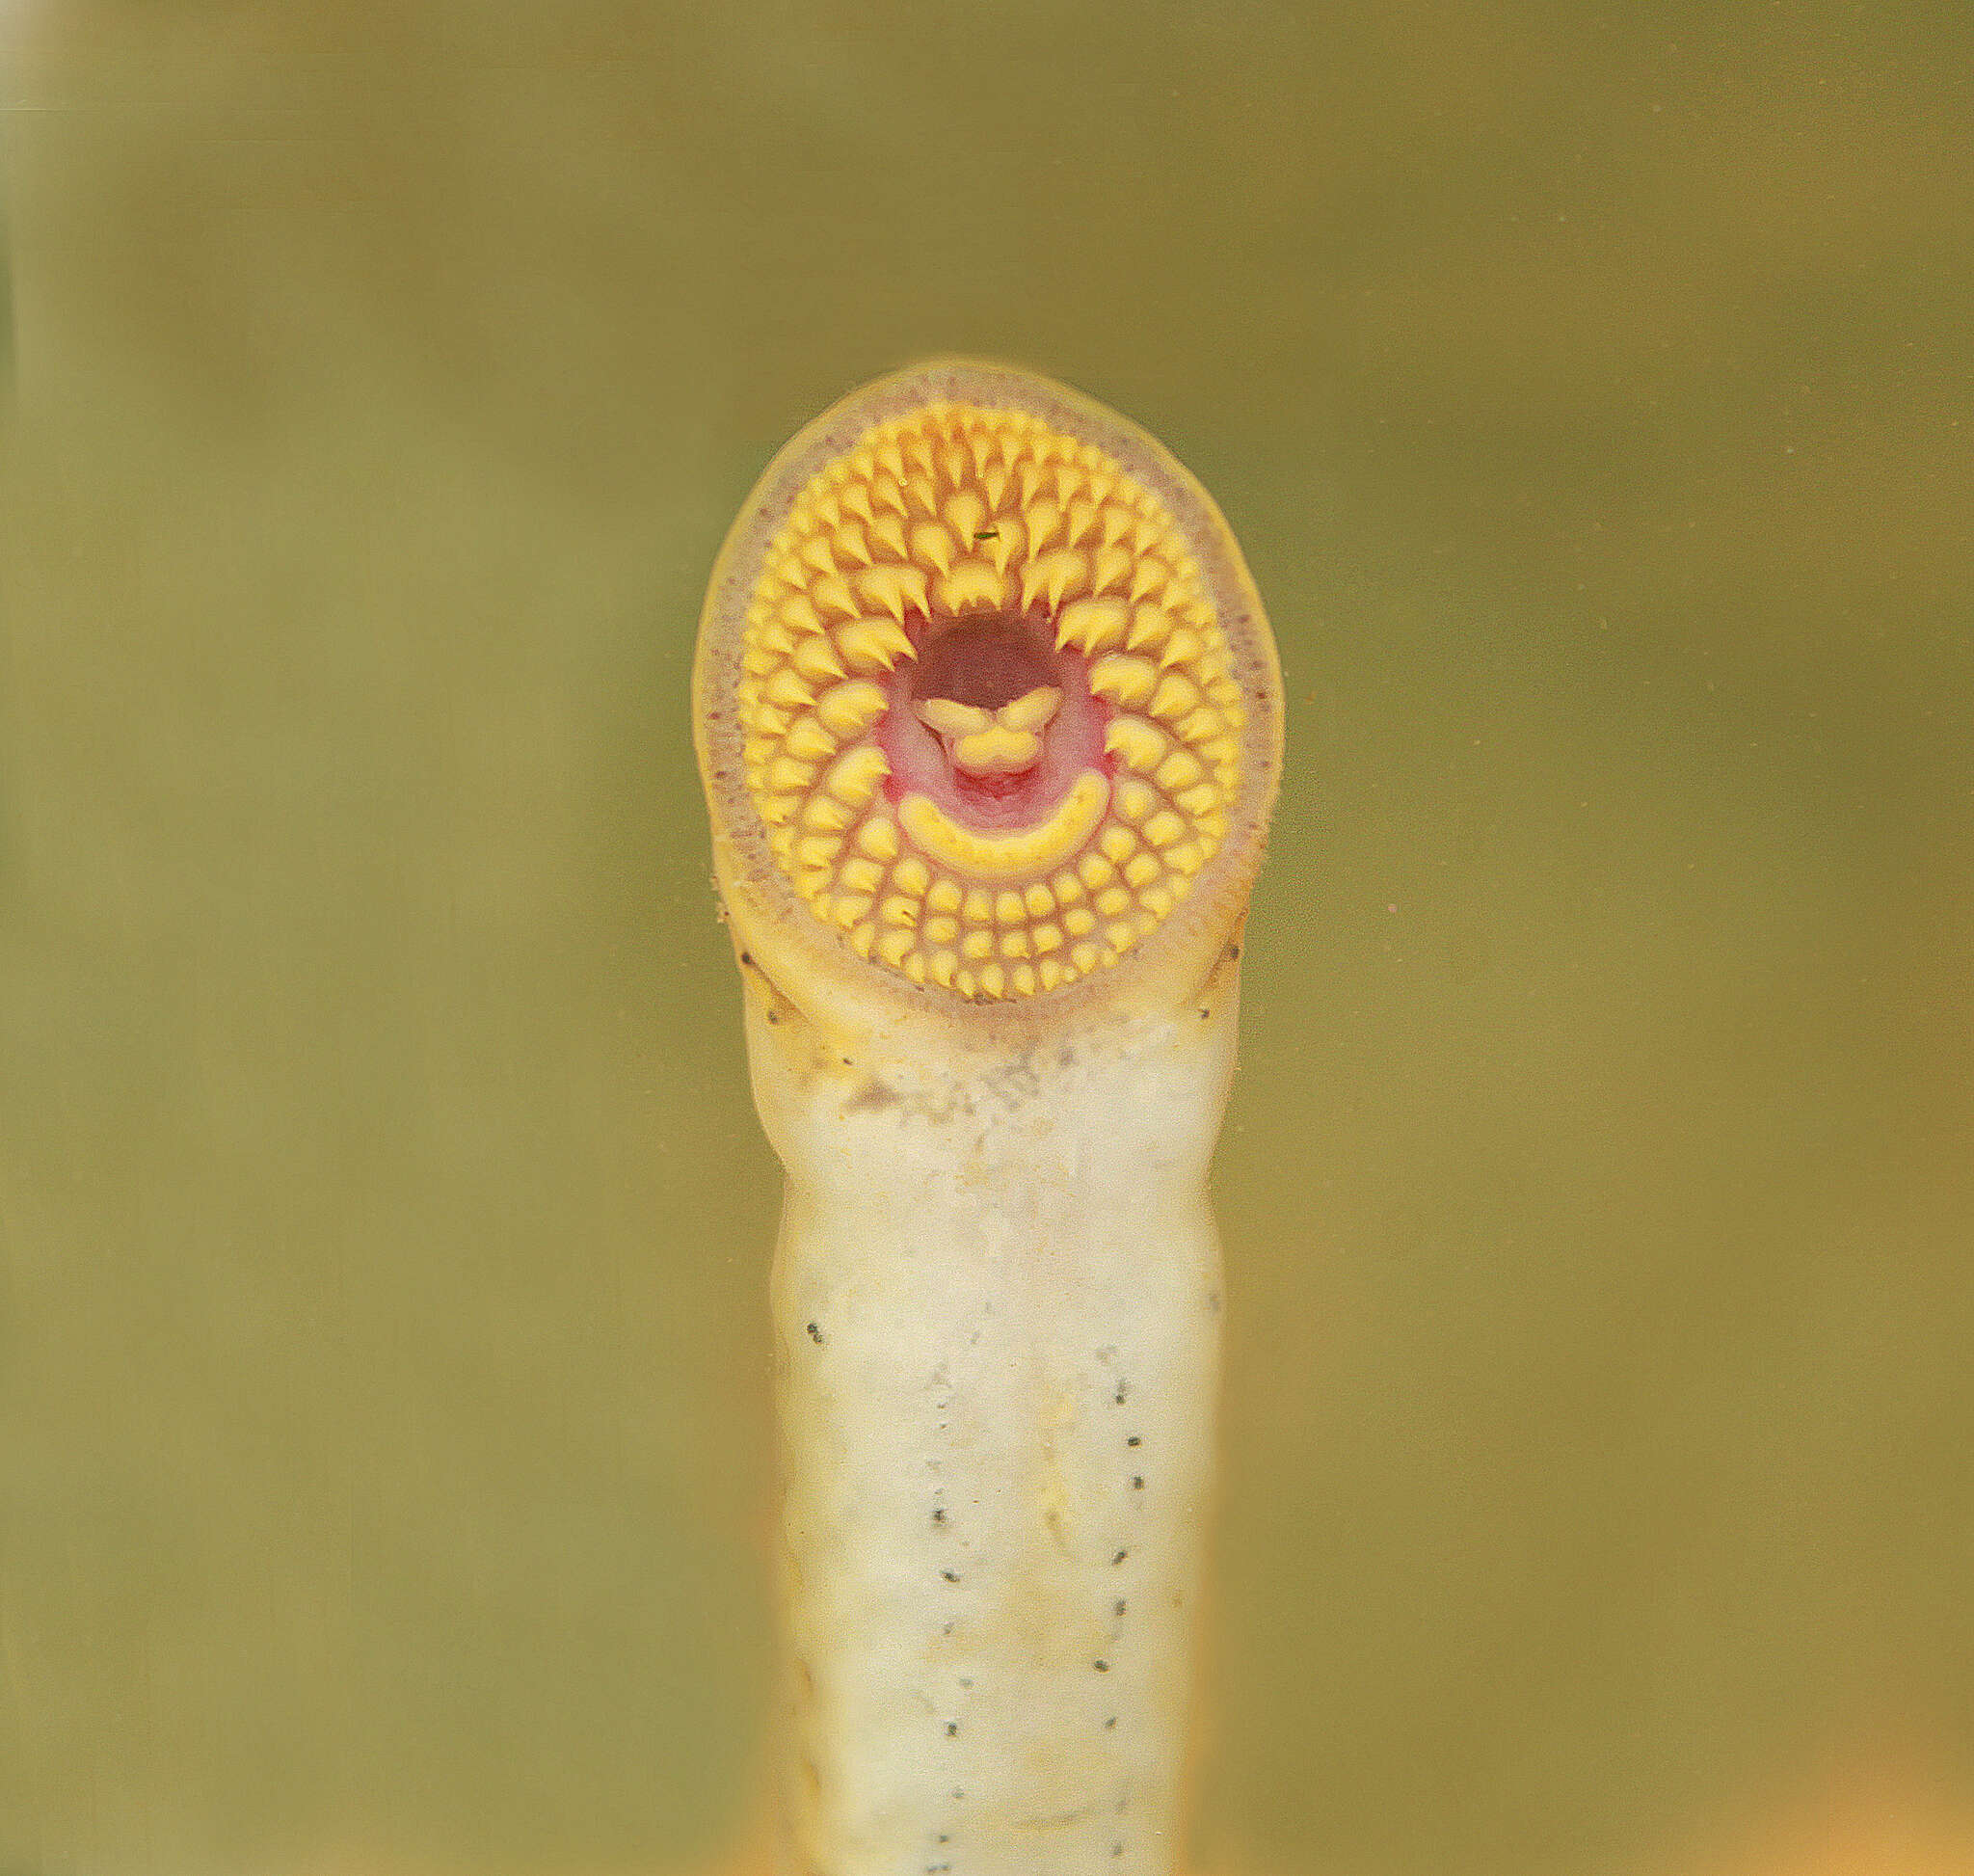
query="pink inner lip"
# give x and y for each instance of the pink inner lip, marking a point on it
(990, 660)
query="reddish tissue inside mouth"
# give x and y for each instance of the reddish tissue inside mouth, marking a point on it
(990, 661)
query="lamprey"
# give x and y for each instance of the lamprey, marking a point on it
(989, 719)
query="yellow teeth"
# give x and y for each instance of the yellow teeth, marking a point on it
(1019, 855)
(993, 742)
(960, 511)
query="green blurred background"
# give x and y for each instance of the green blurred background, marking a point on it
(382, 1421)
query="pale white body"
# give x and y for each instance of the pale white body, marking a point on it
(997, 1304)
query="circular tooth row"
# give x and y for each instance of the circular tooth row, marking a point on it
(952, 509)
(987, 941)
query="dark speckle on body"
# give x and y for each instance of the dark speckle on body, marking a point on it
(873, 1097)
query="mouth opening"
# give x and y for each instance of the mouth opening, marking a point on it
(991, 720)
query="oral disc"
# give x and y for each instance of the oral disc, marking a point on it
(988, 713)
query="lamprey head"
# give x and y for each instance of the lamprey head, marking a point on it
(986, 704)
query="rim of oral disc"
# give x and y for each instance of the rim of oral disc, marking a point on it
(1095, 809)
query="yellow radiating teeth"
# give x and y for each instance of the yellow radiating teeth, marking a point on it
(933, 545)
(854, 777)
(1174, 697)
(861, 874)
(1054, 576)
(1183, 648)
(1000, 542)
(873, 644)
(878, 838)
(834, 599)
(1125, 681)
(1114, 568)
(972, 582)
(894, 588)
(817, 659)
(786, 688)
(965, 513)
(809, 741)
(1136, 741)
(1092, 626)
(951, 510)
(851, 707)
(1179, 769)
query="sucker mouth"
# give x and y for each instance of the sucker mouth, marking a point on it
(989, 713)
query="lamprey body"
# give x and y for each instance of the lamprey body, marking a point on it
(989, 719)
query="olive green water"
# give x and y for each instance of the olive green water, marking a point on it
(383, 1420)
